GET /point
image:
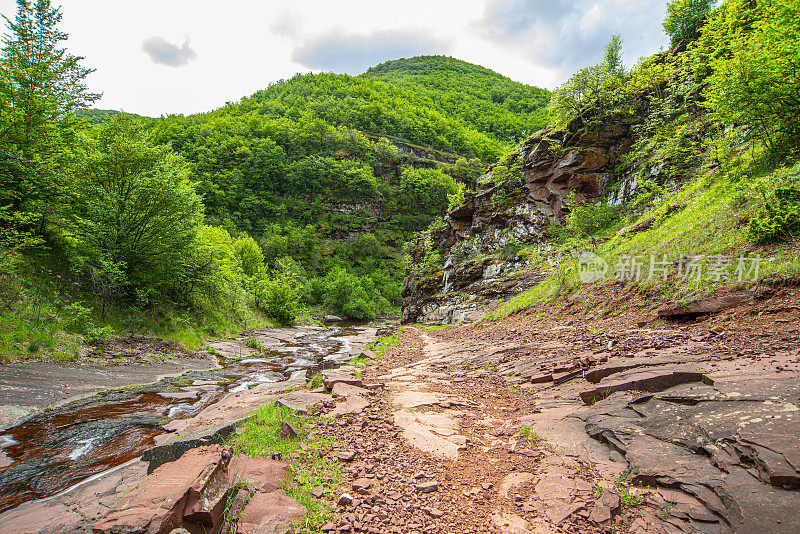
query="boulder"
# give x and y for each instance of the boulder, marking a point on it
(262, 474)
(272, 512)
(191, 485)
(703, 307)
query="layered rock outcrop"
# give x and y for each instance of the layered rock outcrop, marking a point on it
(512, 209)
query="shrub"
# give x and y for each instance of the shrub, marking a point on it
(780, 218)
(250, 255)
(589, 219)
(279, 298)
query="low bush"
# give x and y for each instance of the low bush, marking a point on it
(589, 219)
(780, 217)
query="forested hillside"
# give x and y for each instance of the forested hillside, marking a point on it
(295, 200)
(480, 97)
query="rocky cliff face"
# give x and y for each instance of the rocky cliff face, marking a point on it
(478, 241)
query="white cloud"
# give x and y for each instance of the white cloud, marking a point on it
(163, 52)
(568, 34)
(243, 45)
(340, 51)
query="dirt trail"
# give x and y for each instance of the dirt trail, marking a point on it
(454, 459)
(534, 425)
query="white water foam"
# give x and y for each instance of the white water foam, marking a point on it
(85, 446)
(175, 410)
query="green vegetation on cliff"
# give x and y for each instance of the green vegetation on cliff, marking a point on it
(715, 144)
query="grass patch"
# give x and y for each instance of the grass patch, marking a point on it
(315, 381)
(530, 436)
(431, 327)
(360, 361)
(380, 346)
(253, 343)
(261, 437)
(629, 496)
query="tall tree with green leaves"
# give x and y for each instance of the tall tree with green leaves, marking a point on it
(41, 86)
(136, 214)
(755, 82)
(591, 87)
(685, 18)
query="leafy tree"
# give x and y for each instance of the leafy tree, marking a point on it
(41, 86)
(136, 213)
(757, 84)
(591, 89)
(685, 18)
(250, 256)
(612, 55)
(426, 190)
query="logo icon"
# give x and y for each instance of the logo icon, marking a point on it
(591, 268)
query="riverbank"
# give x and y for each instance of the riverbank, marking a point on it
(177, 413)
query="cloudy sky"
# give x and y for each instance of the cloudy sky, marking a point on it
(185, 56)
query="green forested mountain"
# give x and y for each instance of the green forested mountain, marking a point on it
(298, 197)
(354, 164)
(489, 102)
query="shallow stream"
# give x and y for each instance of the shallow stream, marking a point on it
(60, 447)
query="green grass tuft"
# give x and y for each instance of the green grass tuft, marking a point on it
(260, 436)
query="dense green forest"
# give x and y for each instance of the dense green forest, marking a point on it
(484, 99)
(295, 200)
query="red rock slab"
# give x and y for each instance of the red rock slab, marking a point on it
(335, 376)
(302, 401)
(351, 404)
(269, 510)
(342, 389)
(263, 474)
(41, 516)
(703, 307)
(541, 378)
(650, 381)
(560, 378)
(157, 504)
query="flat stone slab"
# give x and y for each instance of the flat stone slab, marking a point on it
(650, 381)
(438, 441)
(351, 404)
(274, 510)
(415, 399)
(302, 401)
(343, 389)
(262, 474)
(513, 480)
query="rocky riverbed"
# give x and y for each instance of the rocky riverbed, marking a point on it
(651, 419)
(81, 441)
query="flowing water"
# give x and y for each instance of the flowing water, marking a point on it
(62, 446)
